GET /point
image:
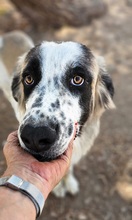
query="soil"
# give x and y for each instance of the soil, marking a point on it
(98, 172)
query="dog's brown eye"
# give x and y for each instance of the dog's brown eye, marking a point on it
(29, 80)
(77, 80)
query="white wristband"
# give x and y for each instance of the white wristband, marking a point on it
(28, 189)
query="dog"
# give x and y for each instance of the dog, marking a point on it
(55, 87)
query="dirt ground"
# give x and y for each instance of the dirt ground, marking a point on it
(98, 172)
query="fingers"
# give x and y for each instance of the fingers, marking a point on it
(13, 134)
(65, 158)
(14, 153)
(12, 140)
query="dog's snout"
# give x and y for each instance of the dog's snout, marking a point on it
(39, 139)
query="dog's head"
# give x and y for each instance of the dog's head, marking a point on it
(58, 85)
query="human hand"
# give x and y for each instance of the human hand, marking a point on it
(44, 175)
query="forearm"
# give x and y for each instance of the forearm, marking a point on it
(15, 205)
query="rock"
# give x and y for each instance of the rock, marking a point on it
(57, 13)
(129, 2)
(124, 185)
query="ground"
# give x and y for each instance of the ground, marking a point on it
(98, 172)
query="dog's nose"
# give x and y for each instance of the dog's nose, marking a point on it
(39, 139)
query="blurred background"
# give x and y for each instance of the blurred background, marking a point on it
(105, 174)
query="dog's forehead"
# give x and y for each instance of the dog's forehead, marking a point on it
(59, 55)
(60, 49)
(56, 58)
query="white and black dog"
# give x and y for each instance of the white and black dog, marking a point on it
(55, 87)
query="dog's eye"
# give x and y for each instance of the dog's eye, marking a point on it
(28, 80)
(77, 80)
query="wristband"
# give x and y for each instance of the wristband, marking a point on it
(32, 192)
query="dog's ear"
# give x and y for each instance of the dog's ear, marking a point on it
(16, 86)
(104, 88)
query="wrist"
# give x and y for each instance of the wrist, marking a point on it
(15, 200)
(28, 175)
(32, 192)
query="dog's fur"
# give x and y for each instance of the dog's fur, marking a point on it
(53, 104)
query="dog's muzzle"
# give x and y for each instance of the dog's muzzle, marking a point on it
(39, 139)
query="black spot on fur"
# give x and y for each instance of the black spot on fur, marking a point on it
(62, 116)
(42, 115)
(39, 100)
(56, 83)
(37, 103)
(49, 82)
(55, 105)
(52, 105)
(70, 130)
(53, 119)
(37, 112)
(62, 123)
(69, 103)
